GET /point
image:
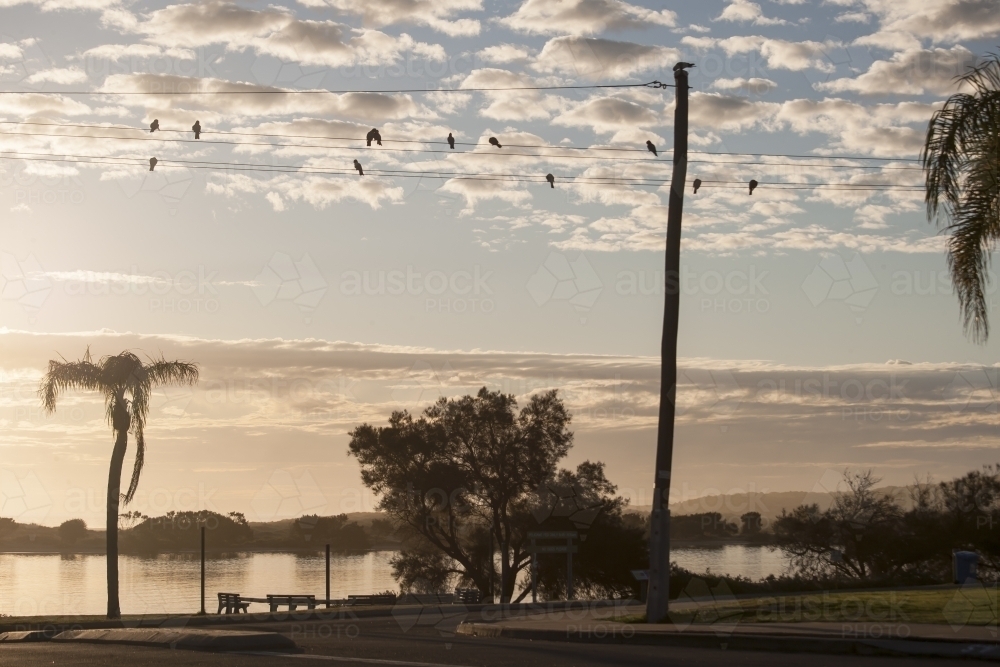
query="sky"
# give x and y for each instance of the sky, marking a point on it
(818, 329)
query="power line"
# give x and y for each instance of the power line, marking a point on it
(491, 153)
(460, 143)
(345, 171)
(279, 91)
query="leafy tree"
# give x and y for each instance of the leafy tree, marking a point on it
(126, 383)
(337, 531)
(861, 536)
(462, 476)
(751, 522)
(961, 158)
(612, 546)
(182, 530)
(72, 531)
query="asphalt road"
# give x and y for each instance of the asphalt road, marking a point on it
(383, 641)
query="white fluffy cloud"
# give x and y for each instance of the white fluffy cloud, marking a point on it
(596, 58)
(278, 33)
(902, 22)
(584, 17)
(745, 11)
(912, 72)
(436, 14)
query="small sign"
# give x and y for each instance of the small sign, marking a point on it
(552, 549)
(553, 535)
(641, 575)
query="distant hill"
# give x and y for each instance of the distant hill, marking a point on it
(770, 505)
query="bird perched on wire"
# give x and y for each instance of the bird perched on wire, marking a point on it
(753, 185)
(697, 184)
(357, 165)
(551, 179)
(651, 148)
(374, 135)
(683, 66)
(196, 128)
(493, 140)
(154, 126)
(451, 141)
(152, 163)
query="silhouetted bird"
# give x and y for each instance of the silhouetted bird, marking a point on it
(651, 147)
(551, 179)
(374, 135)
(697, 184)
(357, 165)
(154, 126)
(493, 140)
(152, 163)
(451, 141)
(682, 66)
(753, 184)
(196, 128)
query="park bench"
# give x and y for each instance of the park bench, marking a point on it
(232, 603)
(291, 601)
(370, 599)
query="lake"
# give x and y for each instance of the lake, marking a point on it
(169, 583)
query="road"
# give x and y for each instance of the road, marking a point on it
(383, 641)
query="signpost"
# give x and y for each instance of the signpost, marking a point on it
(569, 549)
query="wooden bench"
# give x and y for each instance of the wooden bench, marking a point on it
(291, 601)
(427, 598)
(370, 599)
(232, 603)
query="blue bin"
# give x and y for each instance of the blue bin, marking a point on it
(964, 565)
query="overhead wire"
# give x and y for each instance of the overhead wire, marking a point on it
(491, 153)
(401, 173)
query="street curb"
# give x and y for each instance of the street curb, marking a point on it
(745, 642)
(191, 640)
(24, 636)
(489, 612)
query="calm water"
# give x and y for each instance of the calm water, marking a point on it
(51, 584)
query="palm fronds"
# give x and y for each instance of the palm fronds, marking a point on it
(126, 382)
(961, 159)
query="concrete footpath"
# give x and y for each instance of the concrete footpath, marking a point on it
(860, 638)
(181, 639)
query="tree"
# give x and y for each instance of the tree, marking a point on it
(461, 476)
(126, 383)
(861, 536)
(752, 523)
(961, 158)
(72, 531)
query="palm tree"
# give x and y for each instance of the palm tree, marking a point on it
(126, 383)
(961, 158)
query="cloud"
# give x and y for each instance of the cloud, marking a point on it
(912, 72)
(504, 53)
(608, 114)
(728, 112)
(117, 52)
(751, 86)
(55, 5)
(903, 22)
(58, 75)
(278, 33)
(318, 191)
(743, 11)
(511, 104)
(475, 191)
(584, 17)
(272, 101)
(779, 53)
(596, 58)
(434, 14)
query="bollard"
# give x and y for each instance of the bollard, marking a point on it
(202, 612)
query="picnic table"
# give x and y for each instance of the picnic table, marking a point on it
(232, 603)
(283, 600)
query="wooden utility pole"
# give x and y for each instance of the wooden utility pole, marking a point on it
(327, 576)
(657, 600)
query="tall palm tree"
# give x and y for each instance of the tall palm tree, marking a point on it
(126, 383)
(961, 158)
